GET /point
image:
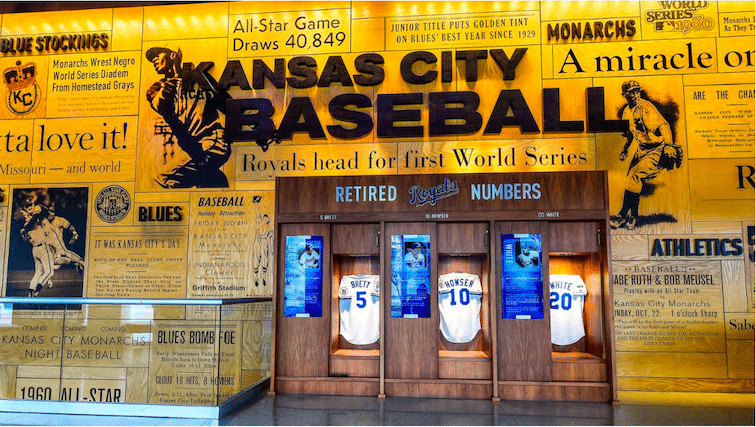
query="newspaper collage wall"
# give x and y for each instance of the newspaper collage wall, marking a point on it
(149, 139)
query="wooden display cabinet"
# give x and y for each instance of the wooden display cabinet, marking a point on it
(355, 251)
(463, 219)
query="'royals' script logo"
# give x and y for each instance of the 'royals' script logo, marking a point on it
(23, 92)
(422, 196)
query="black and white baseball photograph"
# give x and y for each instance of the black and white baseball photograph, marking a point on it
(47, 243)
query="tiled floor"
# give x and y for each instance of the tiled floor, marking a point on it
(339, 410)
(296, 410)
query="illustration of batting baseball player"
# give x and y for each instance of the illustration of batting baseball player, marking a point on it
(196, 118)
(655, 151)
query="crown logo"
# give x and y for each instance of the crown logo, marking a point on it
(20, 76)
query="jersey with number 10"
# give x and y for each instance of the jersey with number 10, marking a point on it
(359, 302)
(566, 299)
(459, 301)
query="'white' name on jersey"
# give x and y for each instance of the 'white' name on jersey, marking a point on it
(459, 300)
(359, 298)
(567, 299)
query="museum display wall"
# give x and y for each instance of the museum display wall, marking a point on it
(141, 147)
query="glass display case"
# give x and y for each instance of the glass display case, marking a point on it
(201, 354)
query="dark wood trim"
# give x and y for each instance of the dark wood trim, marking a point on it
(528, 215)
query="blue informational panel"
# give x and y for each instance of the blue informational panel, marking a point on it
(521, 276)
(410, 276)
(303, 286)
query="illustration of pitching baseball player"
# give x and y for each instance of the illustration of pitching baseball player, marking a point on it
(196, 119)
(656, 150)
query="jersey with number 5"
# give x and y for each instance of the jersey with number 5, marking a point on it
(567, 299)
(459, 301)
(359, 302)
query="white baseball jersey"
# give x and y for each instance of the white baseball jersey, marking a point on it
(567, 299)
(359, 303)
(459, 301)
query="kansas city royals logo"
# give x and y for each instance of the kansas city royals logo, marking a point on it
(112, 203)
(422, 196)
(23, 92)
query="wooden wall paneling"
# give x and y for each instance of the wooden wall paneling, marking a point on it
(473, 367)
(338, 269)
(577, 371)
(302, 343)
(385, 296)
(412, 344)
(576, 195)
(448, 389)
(594, 305)
(573, 237)
(463, 238)
(358, 366)
(494, 301)
(524, 346)
(355, 239)
(555, 391)
(607, 293)
(332, 387)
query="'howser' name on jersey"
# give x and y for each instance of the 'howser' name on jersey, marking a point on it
(457, 282)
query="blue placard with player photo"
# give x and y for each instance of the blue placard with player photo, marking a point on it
(521, 276)
(410, 276)
(303, 283)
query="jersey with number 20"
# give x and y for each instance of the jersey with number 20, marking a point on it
(359, 301)
(566, 299)
(459, 301)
